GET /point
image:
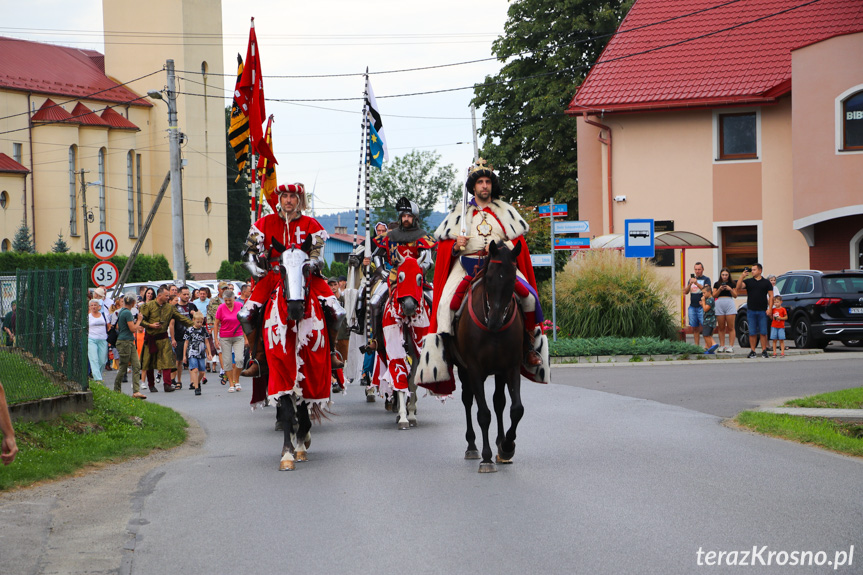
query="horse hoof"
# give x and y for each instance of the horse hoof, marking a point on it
(301, 456)
(308, 441)
(499, 459)
(370, 399)
(404, 425)
(489, 467)
(286, 466)
(412, 422)
(471, 454)
(280, 426)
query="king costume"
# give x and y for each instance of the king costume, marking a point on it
(454, 270)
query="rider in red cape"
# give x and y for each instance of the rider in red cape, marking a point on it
(267, 238)
(462, 249)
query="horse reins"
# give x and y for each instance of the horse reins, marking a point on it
(479, 323)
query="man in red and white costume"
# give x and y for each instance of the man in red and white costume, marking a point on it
(459, 257)
(267, 236)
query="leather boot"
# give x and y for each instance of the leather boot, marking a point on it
(531, 356)
(333, 320)
(258, 362)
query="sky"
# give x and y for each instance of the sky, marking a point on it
(321, 147)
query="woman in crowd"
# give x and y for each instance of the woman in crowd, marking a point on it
(97, 339)
(229, 337)
(724, 293)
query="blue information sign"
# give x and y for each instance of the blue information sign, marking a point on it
(571, 243)
(546, 210)
(573, 227)
(638, 239)
(538, 260)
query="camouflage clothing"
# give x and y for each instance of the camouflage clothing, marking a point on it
(164, 357)
(212, 308)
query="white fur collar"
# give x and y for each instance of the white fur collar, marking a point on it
(513, 224)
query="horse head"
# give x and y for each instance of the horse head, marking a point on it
(409, 285)
(499, 282)
(295, 274)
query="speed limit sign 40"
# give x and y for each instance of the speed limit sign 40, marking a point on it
(103, 245)
(105, 274)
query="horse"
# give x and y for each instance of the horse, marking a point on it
(404, 325)
(297, 347)
(488, 340)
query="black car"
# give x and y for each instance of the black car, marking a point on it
(822, 307)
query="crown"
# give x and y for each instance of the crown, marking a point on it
(480, 166)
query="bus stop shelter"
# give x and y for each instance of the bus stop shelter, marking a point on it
(663, 241)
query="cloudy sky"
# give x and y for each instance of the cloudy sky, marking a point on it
(318, 146)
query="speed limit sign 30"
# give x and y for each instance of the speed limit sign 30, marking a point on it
(105, 274)
(103, 245)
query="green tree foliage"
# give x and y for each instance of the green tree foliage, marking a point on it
(547, 52)
(233, 271)
(416, 175)
(239, 213)
(60, 246)
(23, 240)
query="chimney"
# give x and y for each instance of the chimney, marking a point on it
(341, 229)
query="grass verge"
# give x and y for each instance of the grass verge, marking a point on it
(830, 434)
(636, 346)
(842, 399)
(23, 381)
(117, 428)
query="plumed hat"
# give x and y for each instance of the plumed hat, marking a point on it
(481, 169)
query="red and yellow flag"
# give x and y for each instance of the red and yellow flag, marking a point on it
(250, 88)
(238, 133)
(267, 169)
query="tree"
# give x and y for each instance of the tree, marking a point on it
(416, 175)
(23, 240)
(547, 53)
(60, 246)
(239, 210)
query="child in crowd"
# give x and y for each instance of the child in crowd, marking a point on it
(195, 350)
(708, 304)
(777, 326)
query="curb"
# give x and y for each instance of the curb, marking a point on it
(663, 358)
(51, 407)
(847, 415)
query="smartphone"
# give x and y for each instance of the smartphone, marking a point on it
(692, 275)
(747, 269)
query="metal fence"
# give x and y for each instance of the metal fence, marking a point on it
(49, 355)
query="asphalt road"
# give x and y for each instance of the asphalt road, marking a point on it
(602, 483)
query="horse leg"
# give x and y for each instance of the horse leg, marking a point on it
(304, 431)
(412, 401)
(506, 450)
(287, 409)
(499, 400)
(402, 420)
(483, 417)
(467, 400)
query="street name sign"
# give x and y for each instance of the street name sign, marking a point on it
(547, 212)
(573, 227)
(538, 260)
(571, 243)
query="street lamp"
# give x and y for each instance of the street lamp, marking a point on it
(176, 180)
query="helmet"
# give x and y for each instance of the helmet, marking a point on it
(482, 170)
(405, 206)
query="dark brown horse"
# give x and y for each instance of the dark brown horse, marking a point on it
(489, 341)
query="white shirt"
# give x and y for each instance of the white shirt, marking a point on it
(97, 328)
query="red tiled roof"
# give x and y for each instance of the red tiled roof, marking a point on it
(88, 117)
(52, 113)
(348, 238)
(655, 67)
(8, 165)
(116, 120)
(59, 70)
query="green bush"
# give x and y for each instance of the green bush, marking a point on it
(602, 294)
(233, 271)
(146, 267)
(621, 346)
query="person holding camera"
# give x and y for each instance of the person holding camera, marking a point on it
(759, 302)
(693, 288)
(724, 293)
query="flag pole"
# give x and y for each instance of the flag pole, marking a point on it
(368, 250)
(350, 301)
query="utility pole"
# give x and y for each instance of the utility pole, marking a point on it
(473, 124)
(84, 211)
(176, 179)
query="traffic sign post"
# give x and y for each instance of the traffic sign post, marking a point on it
(103, 245)
(571, 244)
(105, 274)
(573, 227)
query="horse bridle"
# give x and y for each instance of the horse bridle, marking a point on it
(487, 308)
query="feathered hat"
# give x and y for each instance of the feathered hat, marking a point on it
(481, 169)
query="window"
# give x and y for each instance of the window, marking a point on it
(130, 191)
(739, 248)
(208, 245)
(4, 199)
(18, 153)
(207, 205)
(852, 122)
(738, 136)
(140, 193)
(102, 227)
(6, 245)
(798, 284)
(341, 258)
(73, 213)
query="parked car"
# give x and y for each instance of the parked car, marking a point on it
(822, 307)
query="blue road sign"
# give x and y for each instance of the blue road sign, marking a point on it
(573, 227)
(538, 260)
(545, 211)
(571, 243)
(638, 239)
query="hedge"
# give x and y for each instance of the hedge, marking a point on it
(146, 268)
